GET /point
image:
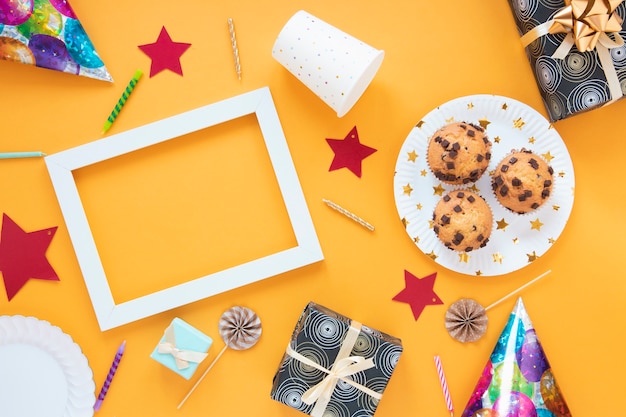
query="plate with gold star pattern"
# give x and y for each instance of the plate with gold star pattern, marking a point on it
(517, 240)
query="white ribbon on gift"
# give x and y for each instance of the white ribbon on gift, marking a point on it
(181, 356)
(343, 367)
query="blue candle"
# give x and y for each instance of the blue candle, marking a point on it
(8, 155)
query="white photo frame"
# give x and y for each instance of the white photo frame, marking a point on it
(108, 313)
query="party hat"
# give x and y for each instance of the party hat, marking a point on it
(517, 380)
(48, 34)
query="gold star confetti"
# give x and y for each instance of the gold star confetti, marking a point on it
(547, 156)
(438, 190)
(470, 106)
(416, 239)
(479, 273)
(423, 173)
(474, 189)
(497, 257)
(420, 124)
(407, 189)
(405, 222)
(432, 255)
(555, 207)
(551, 240)
(561, 174)
(431, 223)
(412, 156)
(531, 140)
(450, 120)
(493, 171)
(502, 224)
(515, 240)
(504, 106)
(497, 139)
(464, 257)
(518, 123)
(536, 225)
(532, 257)
(418, 206)
(483, 123)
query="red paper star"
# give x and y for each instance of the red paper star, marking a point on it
(165, 53)
(349, 152)
(418, 293)
(23, 255)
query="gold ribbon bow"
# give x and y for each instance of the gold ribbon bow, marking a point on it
(343, 367)
(587, 24)
(181, 356)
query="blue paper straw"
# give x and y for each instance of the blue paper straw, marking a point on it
(11, 155)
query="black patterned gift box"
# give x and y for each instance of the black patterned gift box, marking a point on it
(578, 55)
(334, 365)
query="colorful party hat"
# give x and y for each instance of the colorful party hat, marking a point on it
(48, 34)
(517, 380)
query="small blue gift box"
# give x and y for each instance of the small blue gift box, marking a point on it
(182, 348)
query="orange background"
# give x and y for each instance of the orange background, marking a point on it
(161, 215)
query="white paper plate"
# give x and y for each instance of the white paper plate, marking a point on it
(516, 240)
(43, 373)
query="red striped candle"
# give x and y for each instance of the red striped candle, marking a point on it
(107, 382)
(444, 385)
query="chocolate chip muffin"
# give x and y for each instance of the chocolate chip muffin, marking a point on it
(458, 153)
(522, 181)
(463, 221)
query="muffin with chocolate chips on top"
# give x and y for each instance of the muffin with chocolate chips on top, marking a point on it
(523, 181)
(462, 220)
(458, 153)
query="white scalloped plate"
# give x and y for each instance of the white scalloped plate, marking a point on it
(516, 240)
(43, 372)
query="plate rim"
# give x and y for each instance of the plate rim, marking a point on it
(19, 329)
(480, 101)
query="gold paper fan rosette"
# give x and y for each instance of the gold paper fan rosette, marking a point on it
(466, 320)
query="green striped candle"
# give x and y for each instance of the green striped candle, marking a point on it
(120, 103)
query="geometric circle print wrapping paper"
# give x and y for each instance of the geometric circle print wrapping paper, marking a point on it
(318, 335)
(576, 83)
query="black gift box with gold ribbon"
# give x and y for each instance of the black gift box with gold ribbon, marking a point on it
(576, 51)
(334, 365)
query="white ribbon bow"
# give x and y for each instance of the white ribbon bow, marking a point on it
(343, 367)
(181, 356)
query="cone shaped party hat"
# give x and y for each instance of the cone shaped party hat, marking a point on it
(48, 34)
(517, 380)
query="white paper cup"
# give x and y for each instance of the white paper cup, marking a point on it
(334, 65)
